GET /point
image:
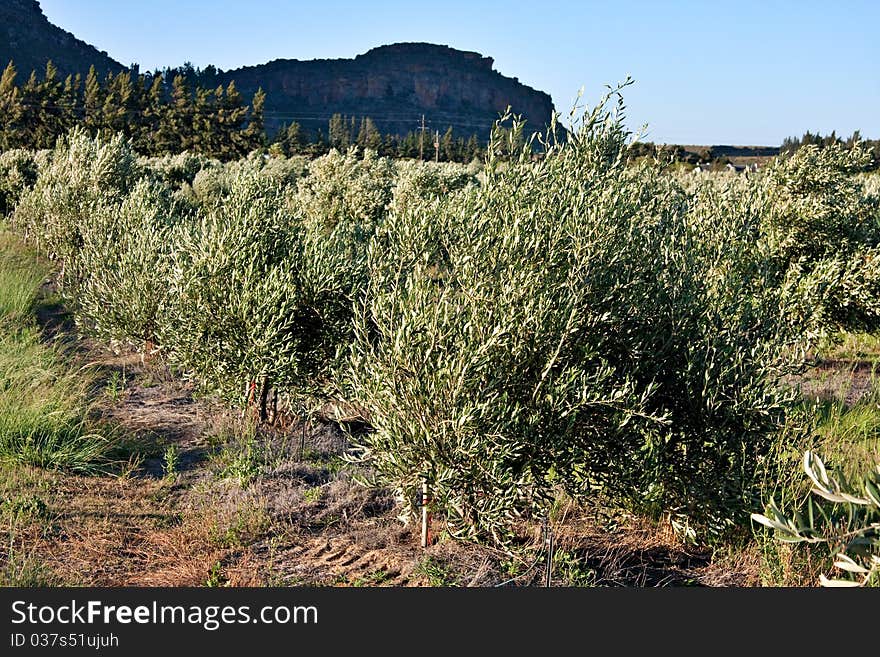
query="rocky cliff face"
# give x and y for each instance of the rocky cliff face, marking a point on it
(29, 40)
(394, 85)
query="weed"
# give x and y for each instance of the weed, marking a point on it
(131, 466)
(239, 457)
(171, 459)
(374, 578)
(216, 578)
(115, 387)
(436, 572)
(246, 525)
(313, 494)
(24, 506)
(572, 569)
(26, 571)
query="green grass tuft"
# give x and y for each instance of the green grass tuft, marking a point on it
(43, 398)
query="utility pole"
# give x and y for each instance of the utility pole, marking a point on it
(437, 146)
(422, 140)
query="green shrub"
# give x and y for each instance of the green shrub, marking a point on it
(83, 176)
(124, 266)
(872, 185)
(572, 323)
(423, 182)
(18, 173)
(346, 187)
(231, 292)
(285, 170)
(213, 183)
(261, 293)
(823, 230)
(178, 170)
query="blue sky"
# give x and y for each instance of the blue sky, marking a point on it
(713, 72)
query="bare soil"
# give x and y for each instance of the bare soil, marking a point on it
(846, 380)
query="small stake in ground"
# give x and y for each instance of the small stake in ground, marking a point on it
(426, 516)
(548, 541)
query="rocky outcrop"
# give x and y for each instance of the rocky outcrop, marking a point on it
(28, 39)
(394, 85)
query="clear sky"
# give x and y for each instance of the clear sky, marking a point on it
(707, 72)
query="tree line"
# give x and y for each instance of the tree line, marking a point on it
(720, 154)
(156, 117)
(345, 131)
(790, 145)
(161, 118)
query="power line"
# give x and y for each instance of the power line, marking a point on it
(79, 108)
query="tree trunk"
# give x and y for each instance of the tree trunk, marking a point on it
(264, 396)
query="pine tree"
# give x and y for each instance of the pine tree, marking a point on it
(117, 105)
(337, 133)
(139, 103)
(255, 133)
(461, 151)
(294, 138)
(232, 114)
(447, 145)
(31, 105)
(175, 132)
(321, 145)
(474, 150)
(46, 101)
(206, 131)
(369, 135)
(389, 145)
(154, 111)
(71, 109)
(11, 109)
(289, 140)
(93, 103)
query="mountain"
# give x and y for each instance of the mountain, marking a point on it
(29, 40)
(394, 85)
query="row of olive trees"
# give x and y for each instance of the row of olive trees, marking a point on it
(243, 274)
(573, 323)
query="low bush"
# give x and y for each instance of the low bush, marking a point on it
(573, 323)
(124, 266)
(83, 176)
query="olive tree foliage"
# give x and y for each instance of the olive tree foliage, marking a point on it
(83, 176)
(348, 187)
(823, 228)
(872, 185)
(18, 173)
(423, 182)
(213, 183)
(232, 301)
(124, 265)
(566, 325)
(261, 289)
(93, 208)
(179, 170)
(843, 515)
